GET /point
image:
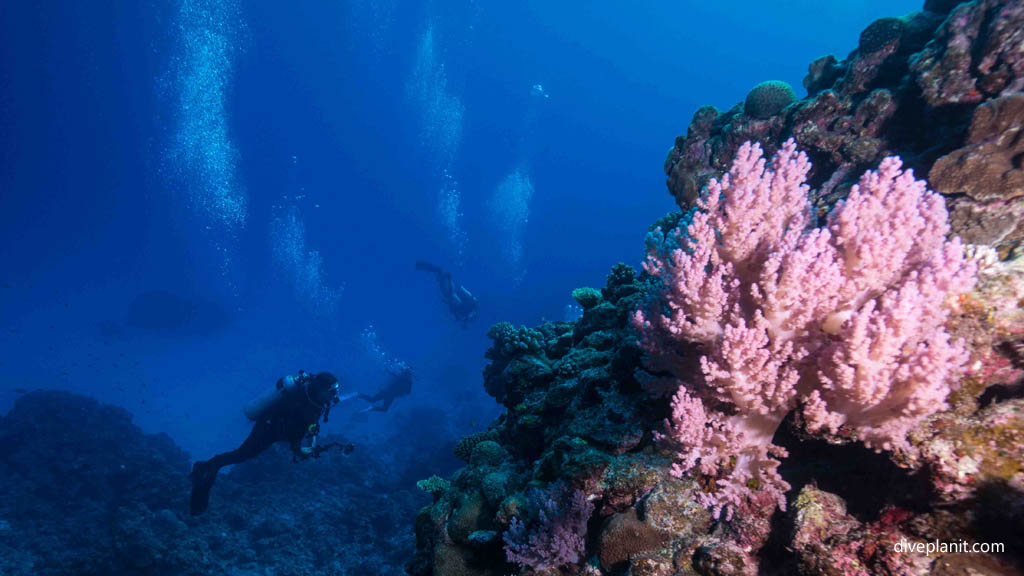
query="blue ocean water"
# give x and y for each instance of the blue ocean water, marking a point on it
(199, 196)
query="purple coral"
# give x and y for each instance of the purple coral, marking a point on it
(845, 322)
(557, 537)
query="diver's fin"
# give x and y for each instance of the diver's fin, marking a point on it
(202, 481)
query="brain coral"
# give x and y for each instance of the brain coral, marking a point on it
(768, 99)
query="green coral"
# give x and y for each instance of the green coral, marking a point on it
(667, 222)
(510, 340)
(587, 297)
(623, 274)
(768, 99)
(487, 453)
(566, 368)
(495, 487)
(464, 449)
(620, 284)
(434, 485)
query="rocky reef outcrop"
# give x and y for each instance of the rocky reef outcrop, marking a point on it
(575, 478)
(940, 88)
(583, 412)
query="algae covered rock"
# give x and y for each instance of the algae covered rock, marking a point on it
(473, 513)
(828, 541)
(880, 33)
(988, 167)
(974, 55)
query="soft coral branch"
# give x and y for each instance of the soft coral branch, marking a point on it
(845, 321)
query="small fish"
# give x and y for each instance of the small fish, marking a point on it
(19, 390)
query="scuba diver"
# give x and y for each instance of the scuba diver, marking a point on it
(399, 385)
(291, 412)
(461, 302)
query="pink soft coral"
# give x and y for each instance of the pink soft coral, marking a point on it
(845, 322)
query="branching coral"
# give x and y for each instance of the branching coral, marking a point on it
(843, 322)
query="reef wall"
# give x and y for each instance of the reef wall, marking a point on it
(581, 475)
(941, 88)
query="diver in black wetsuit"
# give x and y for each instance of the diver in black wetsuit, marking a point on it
(461, 302)
(289, 413)
(399, 385)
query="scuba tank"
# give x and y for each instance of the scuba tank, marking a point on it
(264, 404)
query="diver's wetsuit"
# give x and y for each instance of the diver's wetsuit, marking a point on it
(461, 302)
(294, 418)
(400, 385)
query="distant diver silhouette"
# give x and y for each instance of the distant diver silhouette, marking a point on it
(291, 412)
(461, 302)
(399, 385)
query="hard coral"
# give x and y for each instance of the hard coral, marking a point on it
(587, 297)
(768, 99)
(625, 538)
(464, 448)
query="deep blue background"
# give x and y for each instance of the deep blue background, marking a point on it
(89, 219)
